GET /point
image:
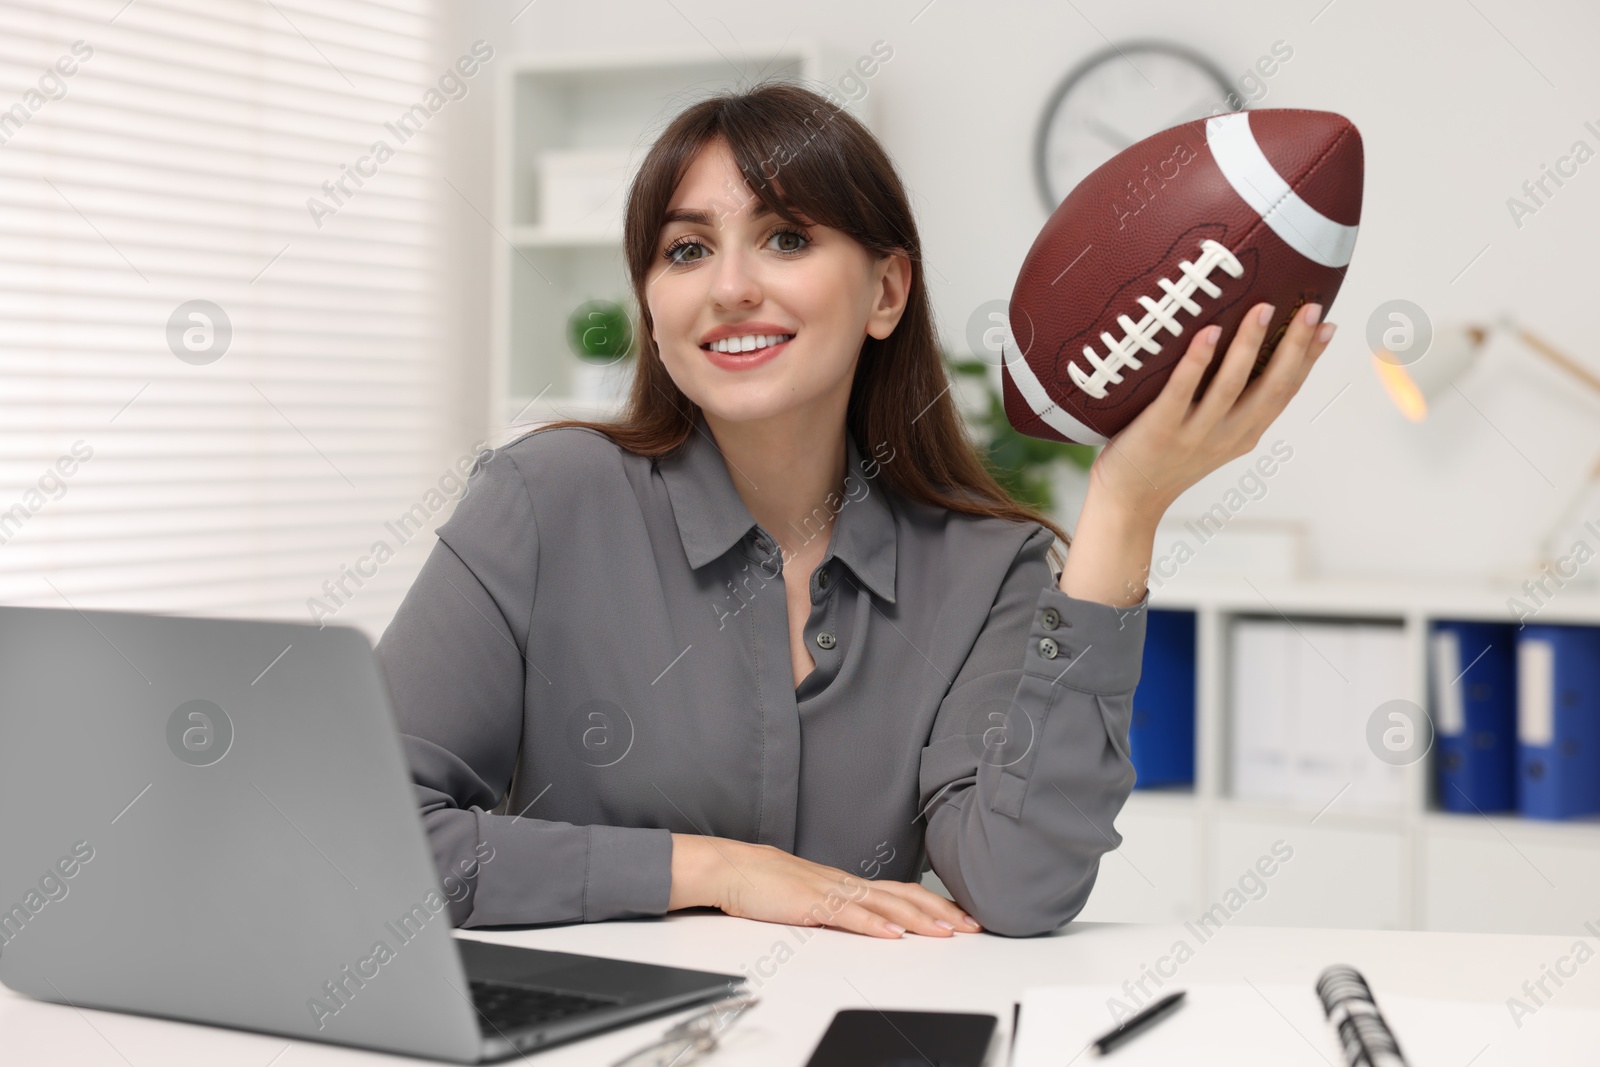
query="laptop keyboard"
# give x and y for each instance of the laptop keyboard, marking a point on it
(503, 1007)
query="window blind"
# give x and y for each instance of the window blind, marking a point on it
(220, 358)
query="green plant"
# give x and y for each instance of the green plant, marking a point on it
(1021, 464)
(600, 331)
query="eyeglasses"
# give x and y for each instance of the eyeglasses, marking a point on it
(693, 1037)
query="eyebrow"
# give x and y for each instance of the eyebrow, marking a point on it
(697, 217)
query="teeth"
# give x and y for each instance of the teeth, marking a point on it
(749, 342)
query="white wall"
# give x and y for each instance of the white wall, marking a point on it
(467, 166)
(1455, 114)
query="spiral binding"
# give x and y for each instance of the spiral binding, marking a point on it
(1363, 1032)
(1159, 314)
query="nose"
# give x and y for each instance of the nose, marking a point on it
(734, 282)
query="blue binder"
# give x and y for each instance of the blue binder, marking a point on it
(1558, 720)
(1161, 736)
(1473, 672)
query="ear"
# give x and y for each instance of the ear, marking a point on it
(892, 282)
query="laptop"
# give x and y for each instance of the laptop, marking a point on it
(212, 820)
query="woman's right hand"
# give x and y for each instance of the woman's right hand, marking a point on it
(766, 883)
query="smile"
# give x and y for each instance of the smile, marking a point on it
(742, 353)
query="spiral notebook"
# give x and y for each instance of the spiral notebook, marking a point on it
(1275, 1025)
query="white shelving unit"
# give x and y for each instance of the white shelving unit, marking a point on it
(610, 100)
(1417, 868)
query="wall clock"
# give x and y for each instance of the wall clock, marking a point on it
(1114, 98)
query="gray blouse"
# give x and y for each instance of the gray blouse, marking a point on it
(596, 654)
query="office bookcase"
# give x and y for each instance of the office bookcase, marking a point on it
(1416, 868)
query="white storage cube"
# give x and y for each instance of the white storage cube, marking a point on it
(583, 189)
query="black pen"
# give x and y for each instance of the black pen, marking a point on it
(1139, 1023)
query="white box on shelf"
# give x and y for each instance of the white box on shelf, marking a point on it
(1206, 548)
(583, 190)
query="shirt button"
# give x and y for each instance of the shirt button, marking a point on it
(1052, 618)
(822, 580)
(825, 639)
(1048, 648)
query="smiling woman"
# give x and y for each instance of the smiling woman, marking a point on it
(713, 223)
(948, 704)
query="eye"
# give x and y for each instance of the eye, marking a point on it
(672, 252)
(791, 233)
(677, 251)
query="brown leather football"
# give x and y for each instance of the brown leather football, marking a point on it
(1191, 226)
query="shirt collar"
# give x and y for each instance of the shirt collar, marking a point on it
(712, 517)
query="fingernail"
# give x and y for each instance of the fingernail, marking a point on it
(1313, 313)
(1264, 316)
(1211, 335)
(972, 922)
(895, 928)
(944, 923)
(1325, 334)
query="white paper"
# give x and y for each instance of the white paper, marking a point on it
(1267, 1025)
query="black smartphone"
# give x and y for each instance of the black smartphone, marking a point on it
(864, 1037)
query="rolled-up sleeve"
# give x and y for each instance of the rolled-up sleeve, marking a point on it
(1027, 765)
(454, 659)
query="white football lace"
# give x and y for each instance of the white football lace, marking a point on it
(1140, 336)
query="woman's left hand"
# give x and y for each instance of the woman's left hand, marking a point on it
(1176, 441)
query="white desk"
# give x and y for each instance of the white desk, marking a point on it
(832, 970)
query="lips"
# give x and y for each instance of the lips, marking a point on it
(745, 360)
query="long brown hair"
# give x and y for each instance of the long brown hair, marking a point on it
(837, 174)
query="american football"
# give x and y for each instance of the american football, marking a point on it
(1189, 227)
